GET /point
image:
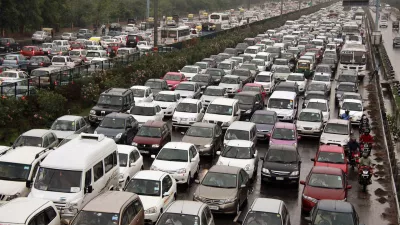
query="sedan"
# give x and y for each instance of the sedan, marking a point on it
(323, 183)
(299, 79)
(254, 87)
(188, 89)
(310, 122)
(331, 156)
(68, 125)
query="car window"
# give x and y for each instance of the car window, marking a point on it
(203, 219)
(131, 211)
(244, 175)
(190, 154)
(98, 171)
(138, 205)
(51, 213)
(136, 155)
(193, 150)
(208, 214)
(108, 162)
(132, 158)
(166, 184)
(42, 219)
(46, 142)
(241, 179)
(88, 178)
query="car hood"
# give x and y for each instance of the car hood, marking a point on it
(62, 134)
(184, 115)
(11, 187)
(334, 165)
(173, 82)
(169, 165)
(186, 94)
(308, 124)
(286, 167)
(107, 108)
(216, 193)
(202, 83)
(197, 140)
(209, 98)
(235, 162)
(245, 107)
(282, 112)
(216, 117)
(229, 85)
(109, 132)
(281, 74)
(147, 140)
(264, 127)
(282, 142)
(324, 193)
(150, 201)
(334, 137)
(164, 104)
(143, 119)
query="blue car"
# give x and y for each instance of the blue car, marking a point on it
(265, 123)
(16, 61)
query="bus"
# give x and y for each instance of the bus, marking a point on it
(353, 56)
(218, 18)
(350, 28)
(170, 35)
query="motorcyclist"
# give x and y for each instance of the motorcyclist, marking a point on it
(364, 123)
(366, 137)
(345, 115)
(365, 161)
(353, 147)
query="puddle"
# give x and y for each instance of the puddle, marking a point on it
(380, 192)
(382, 200)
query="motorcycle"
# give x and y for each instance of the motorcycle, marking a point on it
(354, 159)
(364, 177)
(363, 127)
(366, 148)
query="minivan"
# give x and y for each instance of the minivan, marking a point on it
(240, 130)
(284, 103)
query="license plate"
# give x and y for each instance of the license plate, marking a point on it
(100, 118)
(260, 135)
(144, 152)
(279, 178)
(213, 207)
(34, 64)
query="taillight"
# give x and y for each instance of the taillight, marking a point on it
(41, 64)
(8, 43)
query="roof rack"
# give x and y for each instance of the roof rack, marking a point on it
(42, 152)
(97, 137)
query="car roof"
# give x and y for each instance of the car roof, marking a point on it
(352, 100)
(232, 76)
(253, 85)
(201, 124)
(267, 205)
(326, 170)
(282, 147)
(224, 101)
(318, 100)
(264, 73)
(215, 87)
(283, 95)
(285, 125)
(265, 112)
(338, 121)
(186, 207)
(347, 83)
(154, 123)
(141, 87)
(310, 110)
(190, 100)
(36, 132)
(224, 169)
(24, 206)
(330, 148)
(335, 206)
(110, 202)
(287, 84)
(241, 125)
(69, 117)
(146, 104)
(125, 148)
(178, 145)
(21, 155)
(167, 92)
(188, 82)
(240, 143)
(247, 93)
(149, 175)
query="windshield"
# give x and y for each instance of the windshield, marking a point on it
(283, 134)
(331, 157)
(145, 131)
(143, 111)
(323, 69)
(273, 50)
(251, 88)
(214, 92)
(295, 78)
(175, 219)
(281, 156)
(112, 123)
(90, 217)
(316, 87)
(220, 109)
(200, 78)
(322, 78)
(346, 88)
(8, 74)
(348, 78)
(262, 119)
(229, 80)
(201, 65)
(213, 72)
(186, 107)
(188, 69)
(220, 180)
(93, 54)
(14, 171)
(249, 66)
(65, 181)
(242, 45)
(352, 106)
(243, 72)
(37, 59)
(204, 132)
(282, 69)
(318, 105)
(177, 155)
(153, 84)
(263, 218)
(110, 100)
(28, 141)
(58, 59)
(334, 128)
(280, 62)
(263, 78)
(123, 159)
(232, 134)
(224, 66)
(346, 58)
(63, 125)
(245, 99)
(333, 218)
(310, 117)
(144, 187)
(123, 52)
(172, 77)
(74, 53)
(277, 103)
(138, 92)
(185, 87)
(325, 181)
(251, 51)
(328, 61)
(165, 98)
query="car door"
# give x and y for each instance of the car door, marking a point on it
(131, 130)
(136, 162)
(194, 159)
(84, 126)
(242, 181)
(167, 191)
(159, 113)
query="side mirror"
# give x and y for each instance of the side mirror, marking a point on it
(28, 184)
(197, 181)
(153, 156)
(243, 186)
(348, 187)
(192, 159)
(218, 152)
(165, 194)
(302, 182)
(88, 189)
(183, 133)
(133, 164)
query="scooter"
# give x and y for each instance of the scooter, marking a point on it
(364, 177)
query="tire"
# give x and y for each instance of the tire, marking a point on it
(189, 181)
(197, 172)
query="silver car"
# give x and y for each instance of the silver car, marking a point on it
(41, 36)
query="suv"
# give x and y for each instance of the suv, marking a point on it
(112, 100)
(9, 45)
(152, 136)
(133, 39)
(118, 126)
(396, 42)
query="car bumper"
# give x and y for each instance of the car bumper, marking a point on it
(276, 178)
(228, 208)
(148, 150)
(307, 205)
(180, 178)
(151, 217)
(309, 133)
(262, 135)
(176, 123)
(95, 119)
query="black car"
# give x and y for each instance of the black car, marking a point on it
(38, 62)
(265, 122)
(241, 47)
(157, 85)
(333, 212)
(133, 39)
(203, 80)
(317, 86)
(282, 164)
(9, 45)
(118, 126)
(216, 74)
(249, 102)
(112, 100)
(244, 74)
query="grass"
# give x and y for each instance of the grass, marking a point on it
(85, 112)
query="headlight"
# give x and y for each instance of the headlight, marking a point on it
(155, 146)
(299, 127)
(310, 198)
(346, 140)
(248, 111)
(322, 138)
(264, 170)
(247, 167)
(220, 163)
(11, 197)
(226, 123)
(229, 200)
(92, 112)
(118, 136)
(294, 173)
(207, 146)
(316, 128)
(153, 168)
(174, 118)
(95, 132)
(183, 170)
(134, 143)
(121, 176)
(171, 106)
(151, 210)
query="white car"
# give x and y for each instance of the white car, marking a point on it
(211, 93)
(323, 78)
(203, 66)
(187, 112)
(240, 153)
(130, 162)
(145, 111)
(142, 93)
(13, 75)
(266, 79)
(227, 66)
(336, 132)
(156, 190)
(181, 160)
(299, 79)
(187, 89)
(252, 51)
(190, 71)
(349, 95)
(62, 61)
(232, 83)
(224, 111)
(281, 72)
(321, 104)
(167, 100)
(355, 108)
(310, 122)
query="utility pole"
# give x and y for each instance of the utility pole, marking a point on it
(281, 7)
(299, 4)
(248, 4)
(377, 15)
(148, 9)
(155, 22)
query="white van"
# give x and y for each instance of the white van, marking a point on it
(77, 172)
(24, 211)
(284, 103)
(240, 130)
(224, 111)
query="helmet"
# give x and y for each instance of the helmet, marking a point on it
(365, 155)
(347, 111)
(367, 131)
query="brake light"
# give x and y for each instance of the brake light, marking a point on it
(41, 63)
(137, 39)
(8, 43)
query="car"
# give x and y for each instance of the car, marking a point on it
(299, 79)
(29, 51)
(157, 85)
(190, 71)
(95, 54)
(173, 79)
(212, 62)
(180, 159)
(323, 78)
(254, 87)
(242, 154)
(111, 100)
(63, 61)
(188, 89)
(15, 61)
(281, 163)
(348, 75)
(224, 189)
(38, 62)
(203, 65)
(331, 62)
(336, 132)
(151, 137)
(310, 122)
(203, 80)
(232, 51)
(265, 122)
(84, 33)
(232, 83)
(396, 42)
(58, 51)
(167, 100)
(244, 74)
(250, 66)
(383, 23)
(76, 45)
(334, 212)
(142, 93)
(281, 72)
(323, 183)
(13, 75)
(314, 95)
(317, 86)
(349, 95)
(37, 138)
(145, 111)
(185, 211)
(120, 127)
(267, 80)
(241, 47)
(284, 134)
(67, 125)
(211, 93)
(224, 111)
(260, 63)
(130, 163)
(249, 102)
(331, 156)
(9, 45)
(345, 87)
(207, 137)
(287, 87)
(266, 211)
(322, 105)
(227, 65)
(78, 56)
(187, 112)
(68, 36)
(355, 108)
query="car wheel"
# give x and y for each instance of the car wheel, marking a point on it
(197, 172)
(142, 168)
(189, 181)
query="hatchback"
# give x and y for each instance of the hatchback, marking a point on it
(173, 79)
(331, 156)
(266, 211)
(284, 134)
(152, 136)
(265, 122)
(120, 127)
(334, 212)
(255, 87)
(187, 212)
(145, 111)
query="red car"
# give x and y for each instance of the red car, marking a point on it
(151, 137)
(331, 156)
(318, 52)
(29, 51)
(323, 183)
(257, 88)
(76, 45)
(173, 79)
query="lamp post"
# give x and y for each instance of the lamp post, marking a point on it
(155, 22)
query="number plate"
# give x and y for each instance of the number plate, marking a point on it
(279, 178)
(260, 135)
(144, 152)
(213, 207)
(34, 64)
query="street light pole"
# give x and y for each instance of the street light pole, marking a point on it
(281, 7)
(155, 22)
(377, 14)
(148, 9)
